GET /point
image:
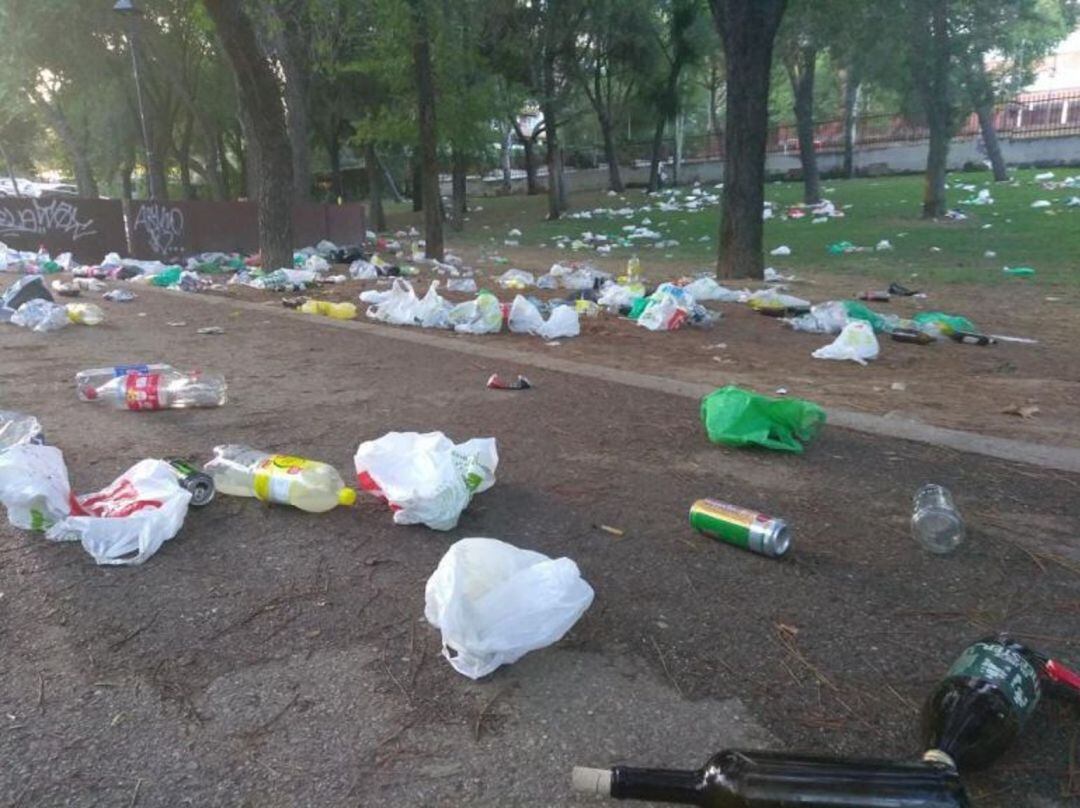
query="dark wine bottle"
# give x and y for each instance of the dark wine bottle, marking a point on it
(737, 779)
(984, 701)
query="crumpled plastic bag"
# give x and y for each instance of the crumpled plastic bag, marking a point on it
(17, 428)
(829, 317)
(494, 602)
(516, 279)
(525, 318)
(938, 324)
(401, 306)
(704, 289)
(426, 478)
(615, 296)
(125, 523)
(856, 342)
(480, 316)
(772, 299)
(361, 270)
(666, 309)
(461, 285)
(25, 289)
(737, 417)
(41, 315)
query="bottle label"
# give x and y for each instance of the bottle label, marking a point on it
(124, 370)
(275, 474)
(143, 391)
(1005, 668)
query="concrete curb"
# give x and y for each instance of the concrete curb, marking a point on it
(1036, 454)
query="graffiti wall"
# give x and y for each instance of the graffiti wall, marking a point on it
(87, 228)
(166, 230)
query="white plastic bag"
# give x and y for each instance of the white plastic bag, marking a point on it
(480, 316)
(704, 289)
(41, 315)
(426, 478)
(433, 311)
(829, 317)
(461, 285)
(362, 270)
(125, 523)
(856, 342)
(398, 307)
(616, 296)
(516, 279)
(494, 603)
(525, 318)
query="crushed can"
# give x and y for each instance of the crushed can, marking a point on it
(750, 530)
(197, 483)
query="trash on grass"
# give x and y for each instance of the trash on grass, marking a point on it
(856, 342)
(494, 603)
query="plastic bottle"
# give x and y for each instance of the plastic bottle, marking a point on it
(743, 779)
(85, 313)
(285, 479)
(633, 270)
(87, 381)
(159, 390)
(935, 522)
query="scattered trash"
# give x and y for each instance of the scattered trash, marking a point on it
(747, 778)
(177, 324)
(935, 522)
(494, 603)
(900, 290)
(85, 313)
(898, 386)
(516, 279)
(125, 523)
(777, 304)
(741, 527)
(326, 308)
(467, 285)
(195, 482)
(210, 330)
(495, 383)
(783, 249)
(119, 296)
(1041, 203)
(25, 289)
(309, 485)
(17, 428)
(1019, 272)
(157, 388)
(426, 478)
(883, 246)
(1024, 411)
(855, 342)
(971, 338)
(911, 335)
(525, 318)
(772, 276)
(614, 531)
(874, 297)
(480, 316)
(939, 324)
(41, 315)
(737, 417)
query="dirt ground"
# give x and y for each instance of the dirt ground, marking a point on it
(947, 384)
(268, 657)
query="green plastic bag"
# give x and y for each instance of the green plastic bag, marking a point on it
(945, 323)
(840, 247)
(857, 311)
(638, 306)
(1019, 272)
(738, 417)
(167, 277)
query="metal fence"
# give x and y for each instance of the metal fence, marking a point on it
(1028, 116)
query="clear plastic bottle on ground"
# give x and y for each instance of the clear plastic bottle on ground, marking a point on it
(159, 390)
(90, 380)
(935, 522)
(286, 479)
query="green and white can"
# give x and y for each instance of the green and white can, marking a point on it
(750, 530)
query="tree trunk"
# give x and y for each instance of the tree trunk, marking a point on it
(126, 191)
(417, 184)
(183, 158)
(531, 187)
(985, 113)
(458, 188)
(425, 92)
(932, 41)
(333, 148)
(268, 140)
(223, 163)
(852, 83)
(615, 182)
(291, 47)
(76, 149)
(374, 179)
(654, 160)
(159, 184)
(554, 162)
(10, 171)
(802, 72)
(505, 160)
(748, 30)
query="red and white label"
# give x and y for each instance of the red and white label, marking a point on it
(142, 391)
(121, 498)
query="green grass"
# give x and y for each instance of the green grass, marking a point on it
(880, 208)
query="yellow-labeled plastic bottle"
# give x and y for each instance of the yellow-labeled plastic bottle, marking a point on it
(285, 479)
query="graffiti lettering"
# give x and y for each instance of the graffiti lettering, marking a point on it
(44, 217)
(164, 227)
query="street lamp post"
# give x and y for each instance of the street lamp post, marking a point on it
(127, 9)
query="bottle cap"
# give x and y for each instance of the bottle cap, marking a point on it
(346, 496)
